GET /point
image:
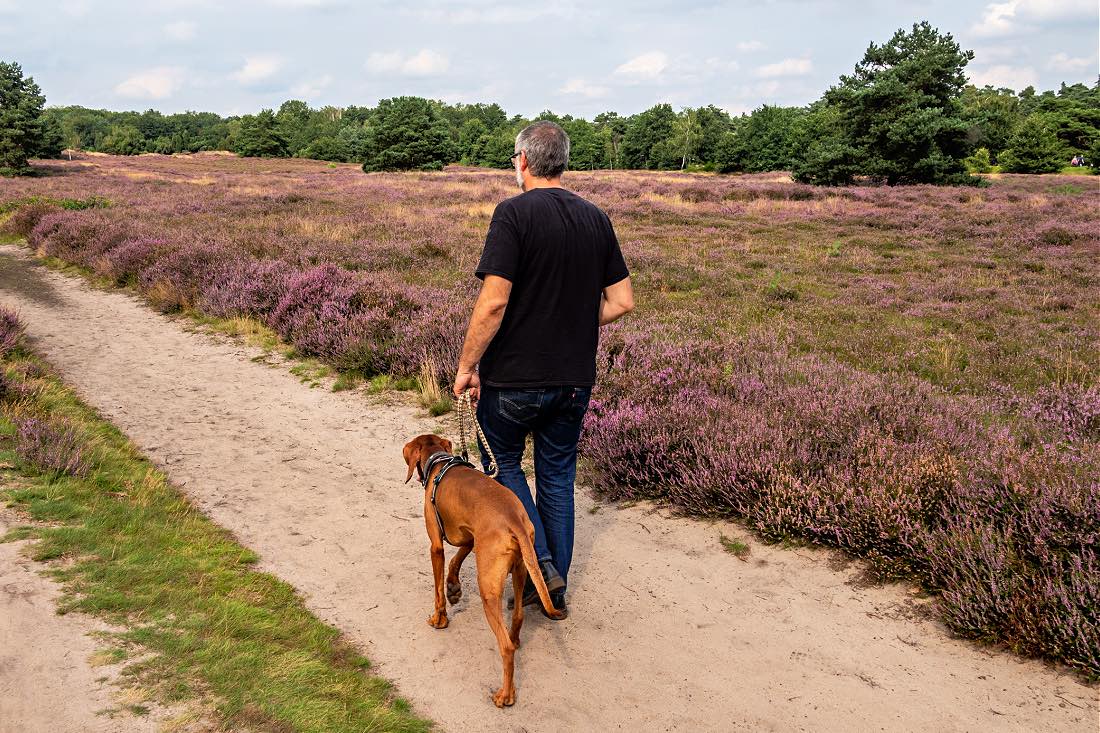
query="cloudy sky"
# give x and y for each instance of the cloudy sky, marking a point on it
(572, 57)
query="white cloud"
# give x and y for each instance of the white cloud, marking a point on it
(1015, 17)
(157, 83)
(257, 68)
(181, 30)
(998, 19)
(647, 66)
(1003, 75)
(423, 63)
(1064, 62)
(786, 67)
(582, 88)
(311, 88)
(747, 46)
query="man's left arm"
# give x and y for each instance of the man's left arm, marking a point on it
(484, 324)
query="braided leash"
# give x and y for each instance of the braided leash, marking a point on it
(465, 404)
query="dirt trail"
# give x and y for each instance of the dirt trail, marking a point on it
(667, 632)
(48, 683)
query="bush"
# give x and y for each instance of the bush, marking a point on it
(889, 468)
(11, 331)
(979, 162)
(52, 446)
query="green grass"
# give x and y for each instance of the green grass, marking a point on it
(198, 620)
(734, 546)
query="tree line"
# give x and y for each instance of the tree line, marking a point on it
(905, 115)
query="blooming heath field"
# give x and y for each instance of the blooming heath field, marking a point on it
(909, 373)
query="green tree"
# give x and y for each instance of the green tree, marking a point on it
(686, 135)
(899, 112)
(646, 141)
(407, 133)
(611, 128)
(21, 104)
(124, 140)
(714, 124)
(585, 146)
(259, 136)
(990, 114)
(1034, 148)
(765, 141)
(294, 118)
(979, 162)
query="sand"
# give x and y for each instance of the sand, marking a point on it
(667, 631)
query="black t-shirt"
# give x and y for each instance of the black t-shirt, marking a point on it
(560, 252)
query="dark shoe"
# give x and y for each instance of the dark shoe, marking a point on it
(558, 599)
(554, 584)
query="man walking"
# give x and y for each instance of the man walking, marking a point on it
(552, 274)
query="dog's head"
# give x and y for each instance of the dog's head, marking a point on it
(418, 450)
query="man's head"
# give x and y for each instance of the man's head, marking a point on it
(542, 153)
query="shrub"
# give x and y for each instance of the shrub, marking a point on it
(11, 331)
(51, 446)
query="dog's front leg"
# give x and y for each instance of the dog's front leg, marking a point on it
(454, 585)
(439, 618)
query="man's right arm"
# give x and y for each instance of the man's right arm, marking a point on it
(617, 301)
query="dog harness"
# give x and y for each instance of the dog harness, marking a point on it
(448, 461)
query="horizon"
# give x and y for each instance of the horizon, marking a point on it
(191, 56)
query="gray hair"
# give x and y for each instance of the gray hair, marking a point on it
(547, 147)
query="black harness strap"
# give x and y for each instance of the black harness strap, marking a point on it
(449, 462)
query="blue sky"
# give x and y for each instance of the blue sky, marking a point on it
(572, 57)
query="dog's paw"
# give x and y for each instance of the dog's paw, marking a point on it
(504, 698)
(438, 620)
(454, 592)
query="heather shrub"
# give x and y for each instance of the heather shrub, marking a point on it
(893, 470)
(245, 287)
(175, 280)
(11, 331)
(51, 446)
(126, 262)
(25, 218)
(78, 236)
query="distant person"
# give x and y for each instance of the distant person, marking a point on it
(553, 274)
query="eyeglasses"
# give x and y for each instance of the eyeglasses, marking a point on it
(513, 156)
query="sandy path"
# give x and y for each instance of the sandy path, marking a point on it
(667, 631)
(48, 683)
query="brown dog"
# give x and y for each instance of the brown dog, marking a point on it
(474, 508)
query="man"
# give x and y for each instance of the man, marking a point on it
(552, 274)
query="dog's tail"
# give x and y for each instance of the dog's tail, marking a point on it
(531, 562)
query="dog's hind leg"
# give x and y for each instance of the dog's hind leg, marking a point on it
(519, 580)
(491, 572)
(454, 586)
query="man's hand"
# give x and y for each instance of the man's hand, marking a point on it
(486, 318)
(468, 381)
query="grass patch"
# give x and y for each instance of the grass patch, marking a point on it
(734, 547)
(199, 621)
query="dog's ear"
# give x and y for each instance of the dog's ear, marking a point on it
(411, 454)
(446, 444)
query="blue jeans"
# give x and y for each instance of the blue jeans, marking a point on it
(554, 416)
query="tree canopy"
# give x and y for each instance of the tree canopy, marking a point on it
(898, 117)
(21, 126)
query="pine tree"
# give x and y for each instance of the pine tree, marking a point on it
(21, 104)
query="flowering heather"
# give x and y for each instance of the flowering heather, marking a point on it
(909, 373)
(11, 331)
(51, 446)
